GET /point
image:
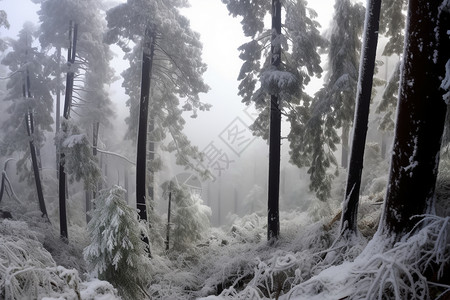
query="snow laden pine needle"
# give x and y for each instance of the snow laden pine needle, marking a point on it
(116, 252)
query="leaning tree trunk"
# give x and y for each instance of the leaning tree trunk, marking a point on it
(29, 121)
(273, 219)
(71, 52)
(420, 119)
(366, 70)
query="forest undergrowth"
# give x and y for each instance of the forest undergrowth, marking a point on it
(236, 261)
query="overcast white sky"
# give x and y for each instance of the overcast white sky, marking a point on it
(221, 35)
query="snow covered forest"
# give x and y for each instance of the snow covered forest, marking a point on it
(123, 177)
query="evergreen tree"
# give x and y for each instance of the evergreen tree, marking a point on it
(420, 118)
(116, 252)
(30, 109)
(3, 23)
(332, 108)
(190, 218)
(172, 52)
(363, 96)
(88, 70)
(392, 25)
(282, 74)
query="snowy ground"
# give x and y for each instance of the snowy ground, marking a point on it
(236, 262)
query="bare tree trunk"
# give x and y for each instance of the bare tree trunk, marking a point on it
(420, 119)
(141, 157)
(366, 70)
(71, 52)
(29, 121)
(273, 219)
(58, 106)
(169, 211)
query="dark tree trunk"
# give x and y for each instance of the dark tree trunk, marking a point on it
(344, 140)
(367, 66)
(141, 157)
(71, 53)
(2, 186)
(58, 107)
(420, 119)
(273, 220)
(169, 211)
(29, 121)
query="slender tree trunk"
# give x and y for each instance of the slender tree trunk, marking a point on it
(344, 139)
(420, 119)
(71, 53)
(273, 221)
(29, 120)
(141, 157)
(2, 187)
(367, 66)
(58, 107)
(169, 211)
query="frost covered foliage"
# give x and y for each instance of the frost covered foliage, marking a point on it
(116, 252)
(28, 271)
(23, 60)
(381, 272)
(190, 218)
(79, 160)
(177, 70)
(298, 270)
(314, 131)
(237, 266)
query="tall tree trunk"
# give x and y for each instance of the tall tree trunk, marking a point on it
(169, 212)
(273, 221)
(29, 121)
(58, 106)
(420, 118)
(71, 53)
(366, 70)
(141, 157)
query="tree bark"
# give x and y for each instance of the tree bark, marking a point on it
(58, 106)
(366, 70)
(141, 157)
(273, 220)
(169, 211)
(420, 119)
(29, 121)
(71, 53)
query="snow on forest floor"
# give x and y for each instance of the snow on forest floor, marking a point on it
(236, 262)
